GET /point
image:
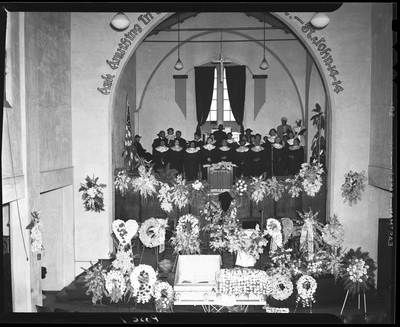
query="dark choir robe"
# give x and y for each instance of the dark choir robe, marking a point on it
(232, 144)
(279, 160)
(198, 143)
(268, 154)
(182, 142)
(296, 158)
(242, 161)
(156, 142)
(208, 156)
(258, 161)
(224, 154)
(249, 145)
(176, 158)
(192, 162)
(161, 157)
(142, 152)
(219, 136)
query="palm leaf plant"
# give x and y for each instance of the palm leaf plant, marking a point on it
(318, 144)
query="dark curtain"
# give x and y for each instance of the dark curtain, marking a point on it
(236, 83)
(204, 85)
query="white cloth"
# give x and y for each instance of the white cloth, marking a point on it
(245, 260)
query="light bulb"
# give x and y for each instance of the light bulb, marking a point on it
(264, 64)
(320, 20)
(178, 65)
(120, 21)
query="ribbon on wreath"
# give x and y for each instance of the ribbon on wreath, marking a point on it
(307, 235)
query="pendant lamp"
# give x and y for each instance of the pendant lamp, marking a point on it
(179, 64)
(264, 64)
(120, 21)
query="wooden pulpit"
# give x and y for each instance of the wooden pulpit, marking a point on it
(220, 180)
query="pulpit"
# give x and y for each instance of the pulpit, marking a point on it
(220, 180)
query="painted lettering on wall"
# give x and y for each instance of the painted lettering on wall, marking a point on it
(123, 46)
(108, 80)
(324, 52)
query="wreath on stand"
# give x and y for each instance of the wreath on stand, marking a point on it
(152, 232)
(186, 239)
(358, 271)
(282, 287)
(146, 277)
(163, 296)
(306, 288)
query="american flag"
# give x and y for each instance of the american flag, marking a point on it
(130, 150)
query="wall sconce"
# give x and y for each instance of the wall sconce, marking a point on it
(320, 20)
(178, 65)
(120, 21)
(264, 64)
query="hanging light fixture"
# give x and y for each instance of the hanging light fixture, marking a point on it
(264, 64)
(178, 65)
(120, 21)
(320, 20)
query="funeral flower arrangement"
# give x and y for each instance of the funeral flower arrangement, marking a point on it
(220, 165)
(164, 296)
(146, 183)
(36, 227)
(306, 287)
(152, 232)
(274, 229)
(177, 194)
(311, 177)
(187, 235)
(281, 286)
(92, 195)
(243, 281)
(353, 186)
(357, 271)
(198, 193)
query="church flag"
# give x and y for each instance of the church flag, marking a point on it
(129, 149)
(259, 93)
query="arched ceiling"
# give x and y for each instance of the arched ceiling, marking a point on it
(260, 16)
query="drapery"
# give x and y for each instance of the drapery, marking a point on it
(236, 83)
(204, 86)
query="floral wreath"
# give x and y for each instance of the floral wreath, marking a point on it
(36, 227)
(152, 232)
(147, 277)
(164, 296)
(333, 232)
(115, 285)
(273, 228)
(306, 288)
(311, 175)
(187, 235)
(353, 186)
(92, 196)
(282, 287)
(358, 271)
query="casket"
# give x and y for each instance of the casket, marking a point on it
(195, 275)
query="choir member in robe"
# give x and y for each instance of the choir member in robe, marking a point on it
(182, 141)
(231, 141)
(161, 156)
(271, 135)
(140, 150)
(242, 160)
(290, 139)
(299, 131)
(252, 141)
(248, 132)
(156, 142)
(267, 145)
(258, 160)
(279, 158)
(197, 139)
(177, 155)
(208, 155)
(296, 157)
(224, 152)
(192, 162)
(170, 137)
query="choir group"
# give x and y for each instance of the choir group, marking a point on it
(280, 153)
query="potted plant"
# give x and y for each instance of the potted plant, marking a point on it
(318, 144)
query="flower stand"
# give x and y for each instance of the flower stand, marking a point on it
(359, 295)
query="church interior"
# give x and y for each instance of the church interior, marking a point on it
(82, 86)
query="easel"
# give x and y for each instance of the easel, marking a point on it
(310, 302)
(156, 248)
(359, 295)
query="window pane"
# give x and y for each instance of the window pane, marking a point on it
(213, 115)
(227, 105)
(213, 105)
(227, 116)
(226, 95)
